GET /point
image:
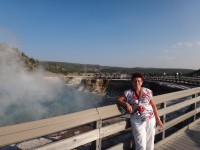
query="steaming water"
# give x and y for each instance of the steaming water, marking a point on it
(68, 100)
(26, 96)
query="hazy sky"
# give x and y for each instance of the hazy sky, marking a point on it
(125, 33)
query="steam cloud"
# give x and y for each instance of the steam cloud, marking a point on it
(26, 96)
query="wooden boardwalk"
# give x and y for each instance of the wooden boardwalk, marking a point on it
(187, 140)
(103, 127)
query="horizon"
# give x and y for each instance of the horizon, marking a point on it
(128, 34)
(118, 66)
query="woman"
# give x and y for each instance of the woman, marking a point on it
(140, 103)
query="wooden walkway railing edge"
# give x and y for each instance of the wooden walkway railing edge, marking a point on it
(177, 133)
(122, 145)
(26, 131)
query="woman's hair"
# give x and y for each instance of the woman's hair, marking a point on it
(137, 75)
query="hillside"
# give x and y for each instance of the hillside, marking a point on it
(65, 67)
(13, 54)
(195, 73)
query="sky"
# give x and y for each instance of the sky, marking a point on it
(121, 33)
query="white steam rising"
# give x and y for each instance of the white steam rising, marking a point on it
(26, 96)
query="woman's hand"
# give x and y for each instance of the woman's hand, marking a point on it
(122, 101)
(129, 108)
(159, 123)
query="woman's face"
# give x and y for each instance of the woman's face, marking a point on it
(137, 83)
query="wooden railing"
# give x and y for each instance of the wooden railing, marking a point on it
(181, 79)
(26, 131)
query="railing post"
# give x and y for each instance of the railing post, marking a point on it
(194, 106)
(163, 119)
(98, 141)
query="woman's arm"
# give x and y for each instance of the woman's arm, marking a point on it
(122, 101)
(158, 121)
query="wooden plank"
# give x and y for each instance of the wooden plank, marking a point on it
(34, 132)
(173, 144)
(174, 135)
(167, 147)
(72, 142)
(108, 111)
(175, 95)
(198, 110)
(180, 143)
(177, 120)
(193, 134)
(112, 129)
(195, 128)
(177, 143)
(175, 107)
(163, 118)
(50, 121)
(184, 138)
(119, 146)
(123, 145)
(99, 140)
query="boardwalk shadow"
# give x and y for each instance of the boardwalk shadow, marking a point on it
(194, 135)
(9, 148)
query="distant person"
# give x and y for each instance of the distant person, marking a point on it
(140, 103)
